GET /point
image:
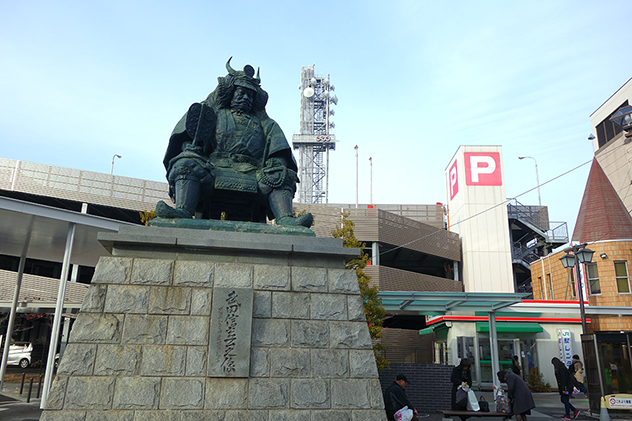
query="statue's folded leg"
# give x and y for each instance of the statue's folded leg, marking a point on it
(281, 206)
(188, 191)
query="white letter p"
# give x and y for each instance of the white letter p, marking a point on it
(476, 168)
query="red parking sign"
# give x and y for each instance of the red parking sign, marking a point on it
(482, 169)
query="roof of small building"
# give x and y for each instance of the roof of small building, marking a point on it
(602, 215)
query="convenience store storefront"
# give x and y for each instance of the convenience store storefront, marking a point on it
(439, 309)
(472, 340)
(526, 328)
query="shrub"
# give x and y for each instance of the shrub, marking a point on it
(536, 382)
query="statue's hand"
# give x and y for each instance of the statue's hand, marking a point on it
(191, 148)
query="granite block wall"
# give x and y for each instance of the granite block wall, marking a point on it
(142, 347)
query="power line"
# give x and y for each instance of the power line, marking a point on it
(612, 150)
(489, 209)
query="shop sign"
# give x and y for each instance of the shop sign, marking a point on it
(621, 401)
(566, 348)
(430, 319)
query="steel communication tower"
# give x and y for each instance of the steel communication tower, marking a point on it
(314, 141)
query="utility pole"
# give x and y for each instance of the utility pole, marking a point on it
(371, 180)
(357, 182)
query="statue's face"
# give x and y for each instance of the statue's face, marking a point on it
(242, 99)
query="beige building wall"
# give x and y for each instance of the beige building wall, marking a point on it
(478, 213)
(615, 157)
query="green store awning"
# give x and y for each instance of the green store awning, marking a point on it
(510, 327)
(440, 330)
(426, 331)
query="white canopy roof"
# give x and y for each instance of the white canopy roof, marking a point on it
(48, 228)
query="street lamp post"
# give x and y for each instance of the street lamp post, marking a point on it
(537, 177)
(371, 181)
(112, 168)
(357, 182)
(580, 254)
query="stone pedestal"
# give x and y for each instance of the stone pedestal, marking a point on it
(186, 325)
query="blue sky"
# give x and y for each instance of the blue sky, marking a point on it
(81, 81)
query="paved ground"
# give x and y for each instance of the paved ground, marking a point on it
(13, 406)
(548, 408)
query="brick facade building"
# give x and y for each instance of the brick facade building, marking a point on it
(606, 226)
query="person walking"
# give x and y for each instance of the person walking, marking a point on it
(520, 396)
(460, 374)
(579, 373)
(565, 387)
(395, 398)
(515, 365)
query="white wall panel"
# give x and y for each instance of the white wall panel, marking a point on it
(478, 213)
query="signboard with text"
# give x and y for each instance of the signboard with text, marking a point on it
(230, 333)
(566, 348)
(621, 401)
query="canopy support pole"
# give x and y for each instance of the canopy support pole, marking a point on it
(59, 307)
(14, 306)
(477, 362)
(493, 347)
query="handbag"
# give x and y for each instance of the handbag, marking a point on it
(483, 404)
(461, 397)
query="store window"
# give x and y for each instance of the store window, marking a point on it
(505, 355)
(528, 357)
(441, 353)
(621, 272)
(593, 279)
(616, 370)
(607, 130)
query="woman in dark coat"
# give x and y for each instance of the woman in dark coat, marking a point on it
(460, 374)
(565, 386)
(519, 395)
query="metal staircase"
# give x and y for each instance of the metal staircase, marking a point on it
(532, 236)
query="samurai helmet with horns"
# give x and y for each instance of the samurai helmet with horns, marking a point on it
(226, 86)
(244, 77)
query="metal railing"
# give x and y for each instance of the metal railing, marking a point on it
(538, 217)
(82, 186)
(526, 254)
(558, 232)
(535, 218)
